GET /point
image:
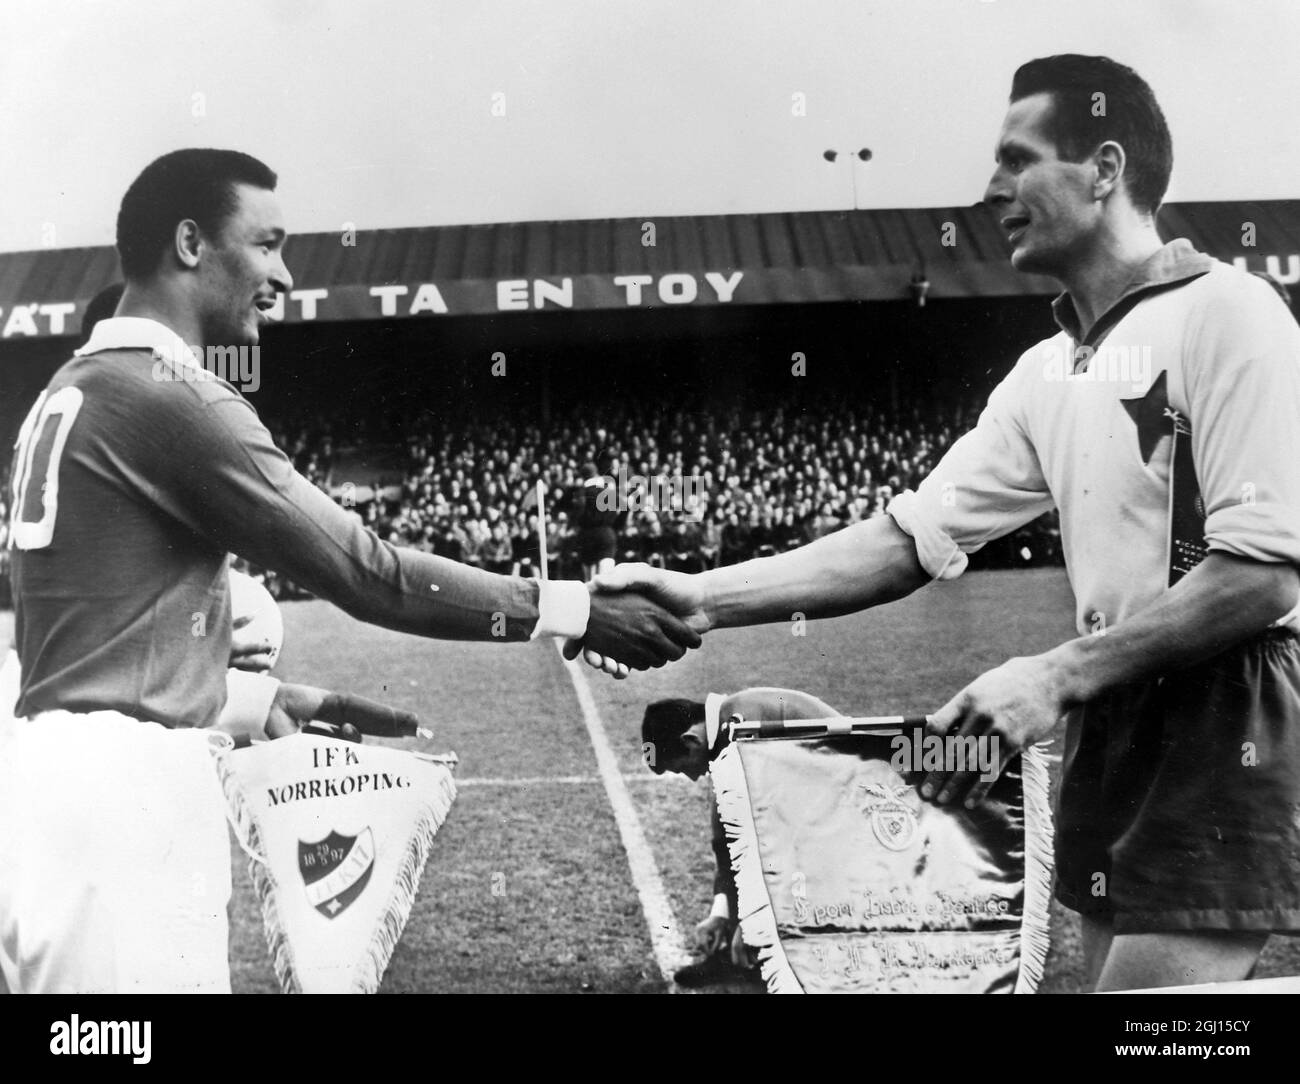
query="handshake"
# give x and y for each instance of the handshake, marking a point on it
(641, 617)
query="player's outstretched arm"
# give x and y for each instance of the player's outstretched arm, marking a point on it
(861, 566)
(244, 494)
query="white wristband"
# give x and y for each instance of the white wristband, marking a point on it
(248, 702)
(563, 607)
(721, 908)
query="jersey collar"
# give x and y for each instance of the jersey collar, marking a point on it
(1173, 263)
(138, 333)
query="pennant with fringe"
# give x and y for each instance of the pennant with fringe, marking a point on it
(849, 883)
(337, 835)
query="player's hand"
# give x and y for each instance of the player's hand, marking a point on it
(249, 652)
(361, 714)
(1006, 709)
(713, 933)
(741, 954)
(629, 628)
(295, 706)
(345, 715)
(678, 592)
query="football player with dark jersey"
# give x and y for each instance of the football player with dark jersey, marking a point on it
(136, 473)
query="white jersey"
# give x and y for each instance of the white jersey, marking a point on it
(1086, 425)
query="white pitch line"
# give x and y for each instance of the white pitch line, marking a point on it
(528, 781)
(666, 939)
(547, 780)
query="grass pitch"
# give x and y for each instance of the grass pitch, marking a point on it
(527, 888)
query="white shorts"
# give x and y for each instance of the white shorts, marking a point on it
(114, 857)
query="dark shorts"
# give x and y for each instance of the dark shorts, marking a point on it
(1179, 803)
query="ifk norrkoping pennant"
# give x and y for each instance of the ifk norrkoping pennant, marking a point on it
(338, 835)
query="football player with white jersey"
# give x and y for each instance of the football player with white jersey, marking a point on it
(1163, 421)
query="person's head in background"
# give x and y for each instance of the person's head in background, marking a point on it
(673, 738)
(607, 463)
(102, 307)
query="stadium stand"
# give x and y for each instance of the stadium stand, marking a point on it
(694, 490)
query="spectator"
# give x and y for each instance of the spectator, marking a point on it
(498, 552)
(711, 540)
(683, 548)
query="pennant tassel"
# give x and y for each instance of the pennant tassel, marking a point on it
(398, 908)
(244, 823)
(757, 919)
(1035, 938)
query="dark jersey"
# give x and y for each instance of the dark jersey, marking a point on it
(129, 489)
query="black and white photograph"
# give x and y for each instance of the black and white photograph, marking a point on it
(636, 498)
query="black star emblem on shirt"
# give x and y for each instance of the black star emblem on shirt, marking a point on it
(1150, 413)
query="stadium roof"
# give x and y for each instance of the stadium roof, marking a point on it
(651, 262)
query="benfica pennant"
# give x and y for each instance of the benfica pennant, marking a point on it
(849, 883)
(338, 835)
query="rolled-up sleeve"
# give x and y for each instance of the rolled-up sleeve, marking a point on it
(1243, 391)
(988, 484)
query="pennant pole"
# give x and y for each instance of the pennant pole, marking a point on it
(541, 525)
(741, 729)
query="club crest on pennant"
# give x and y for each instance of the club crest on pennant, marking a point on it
(892, 820)
(336, 870)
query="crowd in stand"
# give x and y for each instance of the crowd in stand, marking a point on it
(692, 491)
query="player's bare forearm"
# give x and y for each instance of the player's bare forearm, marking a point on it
(864, 565)
(1221, 602)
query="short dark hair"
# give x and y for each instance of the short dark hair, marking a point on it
(101, 307)
(1129, 114)
(197, 183)
(662, 727)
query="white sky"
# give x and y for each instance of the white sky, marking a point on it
(380, 113)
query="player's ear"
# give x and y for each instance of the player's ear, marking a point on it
(1109, 160)
(188, 243)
